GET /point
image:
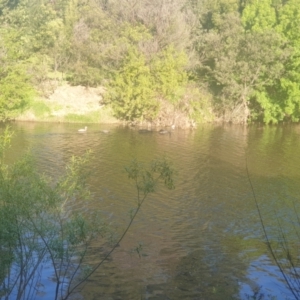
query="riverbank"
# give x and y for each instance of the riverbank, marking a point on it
(78, 104)
(70, 104)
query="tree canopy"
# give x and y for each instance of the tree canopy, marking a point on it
(244, 54)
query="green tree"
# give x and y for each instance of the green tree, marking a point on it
(288, 27)
(240, 66)
(259, 16)
(16, 89)
(37, 24)
(281, 99)
(168, 68)
(209, 12)
(32, 32)
(99, 44)
(131, 92)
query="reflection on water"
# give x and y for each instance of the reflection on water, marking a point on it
(202, 240)
(264, 278)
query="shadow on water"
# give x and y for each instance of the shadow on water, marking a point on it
(206, 273)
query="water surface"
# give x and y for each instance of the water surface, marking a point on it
(202, 240)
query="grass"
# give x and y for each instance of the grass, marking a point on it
(40, 109)
(92, 117)
(103, 115)
(45, 112)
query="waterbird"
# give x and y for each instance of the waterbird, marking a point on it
(82, 129)
(162, 131)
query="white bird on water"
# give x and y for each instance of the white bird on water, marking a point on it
(82, 129)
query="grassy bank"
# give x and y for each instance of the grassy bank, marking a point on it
(74, 104)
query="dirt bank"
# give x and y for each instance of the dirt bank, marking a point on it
(70, 104)
(75, 99)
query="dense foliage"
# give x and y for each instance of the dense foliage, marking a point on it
(241, 58)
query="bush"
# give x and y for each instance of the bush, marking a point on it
(140, 87)
(131, 93)
(15, 91)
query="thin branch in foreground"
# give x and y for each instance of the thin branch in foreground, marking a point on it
(145, 183)
(267, 237)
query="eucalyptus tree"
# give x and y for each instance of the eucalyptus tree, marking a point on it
(168, 21)
(99, 41)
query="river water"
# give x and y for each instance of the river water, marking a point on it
(202, 240)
